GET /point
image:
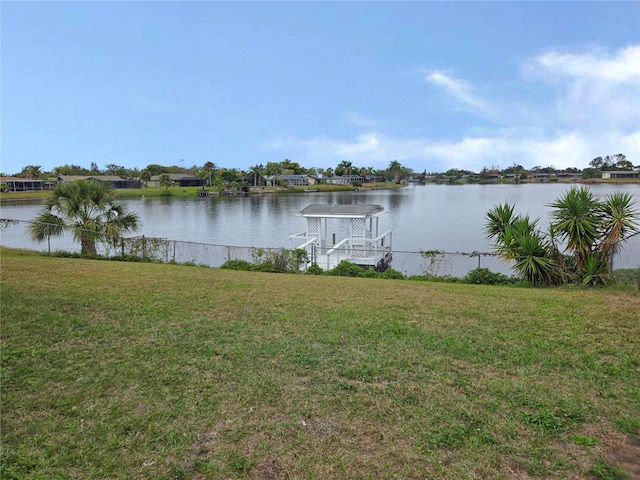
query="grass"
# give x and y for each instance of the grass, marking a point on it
(193, 191)
(131, 370)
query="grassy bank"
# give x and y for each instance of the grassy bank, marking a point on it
(193, 191)
(128, 370)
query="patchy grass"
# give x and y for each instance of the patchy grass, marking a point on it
(130, 370)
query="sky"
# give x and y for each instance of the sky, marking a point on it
(434, 85)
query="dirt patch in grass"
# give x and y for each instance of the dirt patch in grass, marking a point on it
(270, 470)
(600, 442)
(622, 450)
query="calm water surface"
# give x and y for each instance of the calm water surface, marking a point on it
(443, 217)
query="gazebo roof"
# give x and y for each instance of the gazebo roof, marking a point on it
(341, 211)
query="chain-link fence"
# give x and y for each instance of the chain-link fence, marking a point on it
(16, 234)
(627, 257)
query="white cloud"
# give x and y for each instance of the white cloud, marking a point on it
(621, 67)
(459, 89)
(592, 110)
(562, 150)
(596, 90)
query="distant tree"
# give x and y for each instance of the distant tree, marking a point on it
(31, 171)
(133, 173)
(256, 171)
(155, 169)
(94, 168)
(117, 170)
(591, 173)
(289, 167)
(344, 168)
(231, 175)
(208, 171)
(621, 162)
(177, 169)
(165, 181)
(145, 176)
(397, 172)
(597, 163)
(87, 210)
(329, 173)
(70, 170)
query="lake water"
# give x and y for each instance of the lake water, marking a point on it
(423, 217)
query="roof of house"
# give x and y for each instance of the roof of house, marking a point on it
(103, 178)
(176, 176)
(19, 179)
(342, 211)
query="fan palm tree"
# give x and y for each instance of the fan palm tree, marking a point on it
(344, 169)
(32, 171)
(86, 209)
(165, 181)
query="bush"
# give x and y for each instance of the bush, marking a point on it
(391, 274)
(278, 261)
(346, 269)
(369, 273)
(484, 276)
(237, 265)
(315, 270)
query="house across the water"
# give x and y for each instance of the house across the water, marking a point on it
(362, 242)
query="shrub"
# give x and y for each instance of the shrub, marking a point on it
(369, 273)
(346, 269)
(391, 274)
(484, 276)
(278, 261)
(237, 265)
(315, 270)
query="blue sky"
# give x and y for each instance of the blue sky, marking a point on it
(433, 85)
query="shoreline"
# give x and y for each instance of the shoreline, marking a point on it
(193, 191)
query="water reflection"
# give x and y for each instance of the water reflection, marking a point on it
(422, 218)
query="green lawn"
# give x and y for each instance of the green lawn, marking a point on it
(126, 370)
(193, 191)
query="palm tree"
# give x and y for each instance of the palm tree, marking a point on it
(329, 173)
(499, 218)
(257, 172)
(577, 221)
(31, 171)
(618, 221)
(344, 169)
(395, 169)
(519, 240)
(87, 210)
(591, 230)
(165, 181)
(145, 177)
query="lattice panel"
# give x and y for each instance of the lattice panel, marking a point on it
(313, 227)
(358, 227)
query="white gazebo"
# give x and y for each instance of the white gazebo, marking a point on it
(364, 245)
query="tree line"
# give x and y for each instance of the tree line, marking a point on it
(216, 174)
(395, 171)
